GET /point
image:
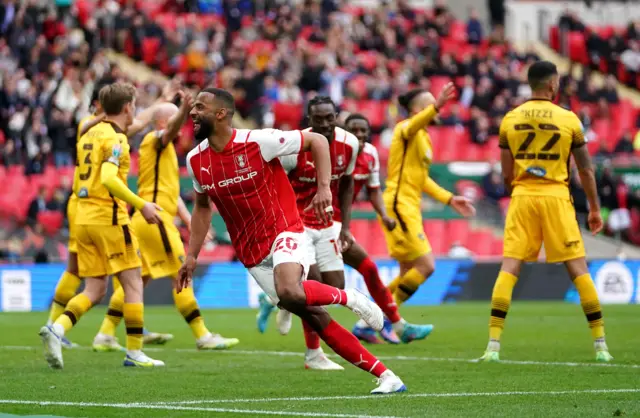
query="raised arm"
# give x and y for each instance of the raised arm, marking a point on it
(177, 120)
(144, 118)
(423, 118)
(90, 124)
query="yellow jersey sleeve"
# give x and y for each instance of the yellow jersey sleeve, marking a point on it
(503, 142)
(577, 139)
(112, 149)
(418, 121)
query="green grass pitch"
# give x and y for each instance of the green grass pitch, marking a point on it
(549, 370)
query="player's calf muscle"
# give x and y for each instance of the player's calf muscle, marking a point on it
(287, 282)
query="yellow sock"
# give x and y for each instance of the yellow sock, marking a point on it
(408, 285)
(590, 305)
(188, 306)
(500, 303)
(65, 289)
(76, 307)
(393, 286)
(114, 313)
(116, 284)
(134, 320)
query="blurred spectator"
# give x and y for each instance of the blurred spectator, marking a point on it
(630, 58)
(607, 188)
(474, 27)
(37, 205)
(479, 130)
(467, 94)
(289, 92)
(493, 185)
(624, 145)
(610, 89)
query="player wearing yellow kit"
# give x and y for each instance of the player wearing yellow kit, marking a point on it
(105, 241)
(69, 282)
(537, 140)
(161, 246)
(410, 157)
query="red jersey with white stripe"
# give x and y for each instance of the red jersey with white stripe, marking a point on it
(366, 172)
(302, 173)
(250, 188)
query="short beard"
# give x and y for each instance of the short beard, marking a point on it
(205, 131)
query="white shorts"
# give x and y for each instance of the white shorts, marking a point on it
(323, 248)
(289, 247)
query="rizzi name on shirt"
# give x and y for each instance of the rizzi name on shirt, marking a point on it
(537, 113)
(234, 180)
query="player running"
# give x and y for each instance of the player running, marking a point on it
(410, 157)
(240, 172)
(106, 243)
(69, 282)
(537, 140)
(161, 247)
(367, 173)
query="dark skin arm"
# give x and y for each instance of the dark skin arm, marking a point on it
(177, 120)
(588, 178)
(91, 123)
(375, 197)
(200, 224)
(345, 197)
(506, 160)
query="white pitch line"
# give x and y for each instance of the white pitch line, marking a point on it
(407, 395)
(167, 407)
(392, 358)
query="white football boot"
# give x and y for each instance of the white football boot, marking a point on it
(367, 310)
(52, 347)
(317, 360)
(388, 383)
(283, 320)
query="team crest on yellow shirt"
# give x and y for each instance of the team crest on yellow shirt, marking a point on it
(429, 154)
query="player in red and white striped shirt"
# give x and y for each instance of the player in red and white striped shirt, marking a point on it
(240, 172)
(367, 173)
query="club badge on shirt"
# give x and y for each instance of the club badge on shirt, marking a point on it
(116, 152)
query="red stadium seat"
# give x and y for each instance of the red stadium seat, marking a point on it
(285, 113)
(554, 38)
(373, 110)
(578, 47)
(481, 242)
(457, 231)
(458, 31)
(51, 221)
(435, 229)
(150, 49)
(438, 83)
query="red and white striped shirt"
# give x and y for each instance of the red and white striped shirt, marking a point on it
(302, 174)
(250, 188)
(366, 172)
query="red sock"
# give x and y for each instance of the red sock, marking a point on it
(378, 290)
(347, 346)
(320, 294)
(311, 338)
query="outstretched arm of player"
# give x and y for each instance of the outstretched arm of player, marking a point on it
(109, 179)
(144, 118)
(460, 204)
(200, 224)
(422, 119)
(90, 124)
(375, 197)
(588, 179)
(177, 120)
(319, 147)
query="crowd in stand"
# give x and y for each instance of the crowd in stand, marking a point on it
(616, 47)
(51, 58)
